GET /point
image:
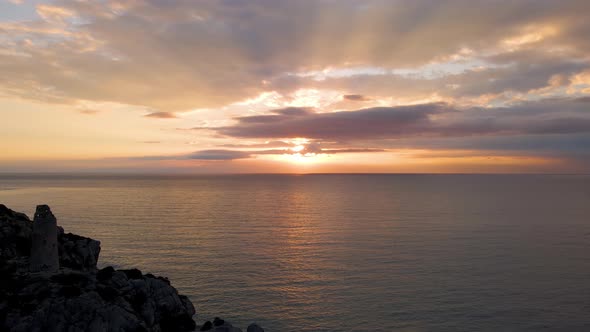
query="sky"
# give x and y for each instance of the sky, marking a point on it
(306, 86)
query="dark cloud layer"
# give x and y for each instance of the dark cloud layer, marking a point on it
(355, 97)
(225, 154)
(367, 123)
(293, 111)
(218, 155)
(551, 116)
(265, 145)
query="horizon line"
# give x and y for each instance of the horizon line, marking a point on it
(91, 173)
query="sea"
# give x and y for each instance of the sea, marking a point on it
(343, 252)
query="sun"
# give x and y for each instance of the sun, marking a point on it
(299, 152)
(298, 148)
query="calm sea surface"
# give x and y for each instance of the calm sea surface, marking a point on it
(344, 252)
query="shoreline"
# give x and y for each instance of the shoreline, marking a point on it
(51, 282)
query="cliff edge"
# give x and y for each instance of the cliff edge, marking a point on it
(49, 281)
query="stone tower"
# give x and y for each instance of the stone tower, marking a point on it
(44, 249)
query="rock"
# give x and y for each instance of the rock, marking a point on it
(44, 249)
(180, 323)
(105, 274)
(78, 301)
(219, 325)
(77, 296)
(227, 328)
(107, 293)
(254, 328)
(78, 252)
(207, 326)
(133, 273)
(15, 235)
(187, 304)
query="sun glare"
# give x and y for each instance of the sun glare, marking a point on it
(296, 157)
(298, 148)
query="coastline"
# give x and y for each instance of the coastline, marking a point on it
(50, 282)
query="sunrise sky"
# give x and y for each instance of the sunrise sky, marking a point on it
(295, 86)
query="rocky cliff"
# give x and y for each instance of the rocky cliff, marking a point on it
(39, 294)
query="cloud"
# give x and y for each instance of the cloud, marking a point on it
(197, 54)
(373, 122)
(161, 115)
(503, 77)
(89, 112)
(293, 111)
(205, 155)
(218, 155)
(315, 149)
(268, 144)
(549, 116)
(337, 151)
(232, 154)
(355, 98)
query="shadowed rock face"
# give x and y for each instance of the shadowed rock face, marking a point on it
(15, 234)
(220, 325)
(78, 252)
(77, 296)
(254, 328)
(79, 301)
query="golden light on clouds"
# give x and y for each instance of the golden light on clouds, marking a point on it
(369, 86)
(297, 148)
(530, 34)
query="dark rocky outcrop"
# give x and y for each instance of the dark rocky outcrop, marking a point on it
(254, 328)
(69, 293)
(218, 321)
(77, 301)
(220, 325)
(15, 234)
(39, 294)
(207, 326)
(78, 252)
(42, 292)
